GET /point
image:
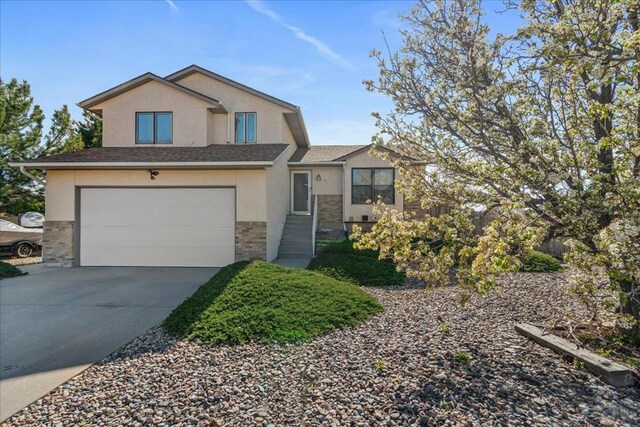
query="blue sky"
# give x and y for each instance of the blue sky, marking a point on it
(312, 54)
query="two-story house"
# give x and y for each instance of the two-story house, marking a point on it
(199, 170)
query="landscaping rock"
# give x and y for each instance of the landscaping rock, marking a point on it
(401, 367)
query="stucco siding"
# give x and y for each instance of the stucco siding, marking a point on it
(278, 188)
(60, 196)
(119, 115)
(251, 197)
(271, 125)
(330, 178)
(354, 212)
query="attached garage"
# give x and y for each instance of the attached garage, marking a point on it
(169, 227)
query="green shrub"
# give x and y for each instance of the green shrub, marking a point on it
(463, 358)
(346, 247)
(362, 270)
(8, 270)
(258, 301)
(538, 262)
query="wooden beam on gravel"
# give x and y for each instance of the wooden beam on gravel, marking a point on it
(610, 372)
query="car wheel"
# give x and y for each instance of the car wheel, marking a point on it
(23, 250)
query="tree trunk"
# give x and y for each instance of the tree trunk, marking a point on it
(630, 304)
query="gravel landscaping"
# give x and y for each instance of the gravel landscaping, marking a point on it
(21, 261)
(424, 361)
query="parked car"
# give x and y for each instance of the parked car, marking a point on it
(32, 220)
(21, 241)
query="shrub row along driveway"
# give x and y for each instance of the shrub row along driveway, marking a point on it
(403, 366)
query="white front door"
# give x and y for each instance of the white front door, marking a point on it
(166, 227)
(301, 192)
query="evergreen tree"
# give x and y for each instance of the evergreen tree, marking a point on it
(90, 129)
(22, 138)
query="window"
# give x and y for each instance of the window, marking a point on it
(371, 184)
(154, 128)
(246, 128)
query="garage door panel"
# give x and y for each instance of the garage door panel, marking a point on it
(166, 257)
(149, 236)
(157, 226)
(168, 216)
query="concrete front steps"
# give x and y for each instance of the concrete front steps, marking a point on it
(296, 239)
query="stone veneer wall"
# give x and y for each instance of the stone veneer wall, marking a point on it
(330, 211)
(251, 240)
(416, 207)
(57, 243)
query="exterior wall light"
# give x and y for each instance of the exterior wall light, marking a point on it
(153, 173)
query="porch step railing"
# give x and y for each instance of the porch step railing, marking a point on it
(314, 228)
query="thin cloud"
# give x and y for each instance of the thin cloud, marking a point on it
(172, 5)
(260, 7)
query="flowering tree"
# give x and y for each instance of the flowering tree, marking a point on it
(541, 129)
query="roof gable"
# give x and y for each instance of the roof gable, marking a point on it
(192, 69)
(294, 118)
(145, 78)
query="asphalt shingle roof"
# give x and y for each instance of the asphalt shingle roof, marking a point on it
(323, 153)
(158, 154)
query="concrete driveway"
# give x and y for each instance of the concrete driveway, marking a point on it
(54, 323)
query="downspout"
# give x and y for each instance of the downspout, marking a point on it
(24, 172)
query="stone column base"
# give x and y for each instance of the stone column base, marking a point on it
(251, 240)
(57, 243)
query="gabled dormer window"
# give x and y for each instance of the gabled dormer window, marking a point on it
(154, 128)
(246, 128)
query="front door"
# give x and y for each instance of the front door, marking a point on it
(301, 192)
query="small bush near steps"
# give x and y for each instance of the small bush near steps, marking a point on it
(346, 247)
(362, 270)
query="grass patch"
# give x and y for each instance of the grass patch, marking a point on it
(463, 358)
(538, 262)
(258, 301)
(8, 270)
(346, 247)
(362, 270)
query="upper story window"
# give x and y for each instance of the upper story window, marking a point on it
(371, 184)
(246, 128)
(154, 128)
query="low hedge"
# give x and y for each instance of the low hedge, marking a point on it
(538, 262)
(346, 247)
(359, 269)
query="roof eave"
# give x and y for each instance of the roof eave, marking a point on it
(327, 163)
(298, 128)
(147, 165)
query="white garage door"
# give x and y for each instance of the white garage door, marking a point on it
(170, 227)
